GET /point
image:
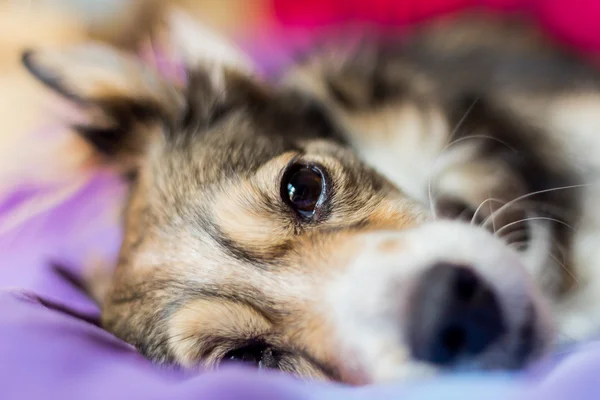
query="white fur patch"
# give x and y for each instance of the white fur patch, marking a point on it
(369, 301)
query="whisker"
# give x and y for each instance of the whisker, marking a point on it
(462, 120)
(563, 266)
(529, 205)
(450, 137)
(429, 188)
(489, 199)
(537, 206)
(534, 219)
(493, 222)
(546, 208)
(462, 139)
(462, 214)
(505, 206)
(431, 202)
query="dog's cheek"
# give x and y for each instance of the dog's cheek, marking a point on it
(319, 262)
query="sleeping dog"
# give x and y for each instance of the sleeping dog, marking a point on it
(382, 211)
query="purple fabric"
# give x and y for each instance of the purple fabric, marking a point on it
(51, 347)
(46, 353)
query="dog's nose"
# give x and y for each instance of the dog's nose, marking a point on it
(455, 316)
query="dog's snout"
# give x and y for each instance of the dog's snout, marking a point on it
(455, 316)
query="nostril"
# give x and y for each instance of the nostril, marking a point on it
(465, 284)
(455, 315)
(453, 339)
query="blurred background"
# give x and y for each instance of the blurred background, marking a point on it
(57, 203)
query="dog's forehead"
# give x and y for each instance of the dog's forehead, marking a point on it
(233, 150)
(185, 170)
(237, 132)
(236, 147)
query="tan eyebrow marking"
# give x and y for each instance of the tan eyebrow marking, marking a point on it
(193, 328)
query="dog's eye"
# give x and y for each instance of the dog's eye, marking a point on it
(453, 208)
(302, 189)
(258, 355)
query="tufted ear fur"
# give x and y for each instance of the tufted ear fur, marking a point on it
(124, 101)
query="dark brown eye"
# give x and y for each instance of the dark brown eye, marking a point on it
(257, 355)
(302, 189)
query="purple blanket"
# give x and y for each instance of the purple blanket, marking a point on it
(52, 348)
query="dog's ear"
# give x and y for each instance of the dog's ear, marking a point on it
(126, 102)
(121, 99)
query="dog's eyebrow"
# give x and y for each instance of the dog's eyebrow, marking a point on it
(244, 295)
(240, 253)
(236, 251)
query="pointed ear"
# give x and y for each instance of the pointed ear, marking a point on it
(119, 96)
(122, 97)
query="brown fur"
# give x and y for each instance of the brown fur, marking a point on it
(213, 259)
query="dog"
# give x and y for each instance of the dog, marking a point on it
(379, 212)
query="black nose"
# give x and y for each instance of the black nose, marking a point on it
(454, 316)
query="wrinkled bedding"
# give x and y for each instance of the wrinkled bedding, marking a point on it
(51, 346)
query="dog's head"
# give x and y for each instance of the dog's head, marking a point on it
(254, 232)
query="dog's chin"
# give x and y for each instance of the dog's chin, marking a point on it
(414, 370)
(410, 370)
(497, 360)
